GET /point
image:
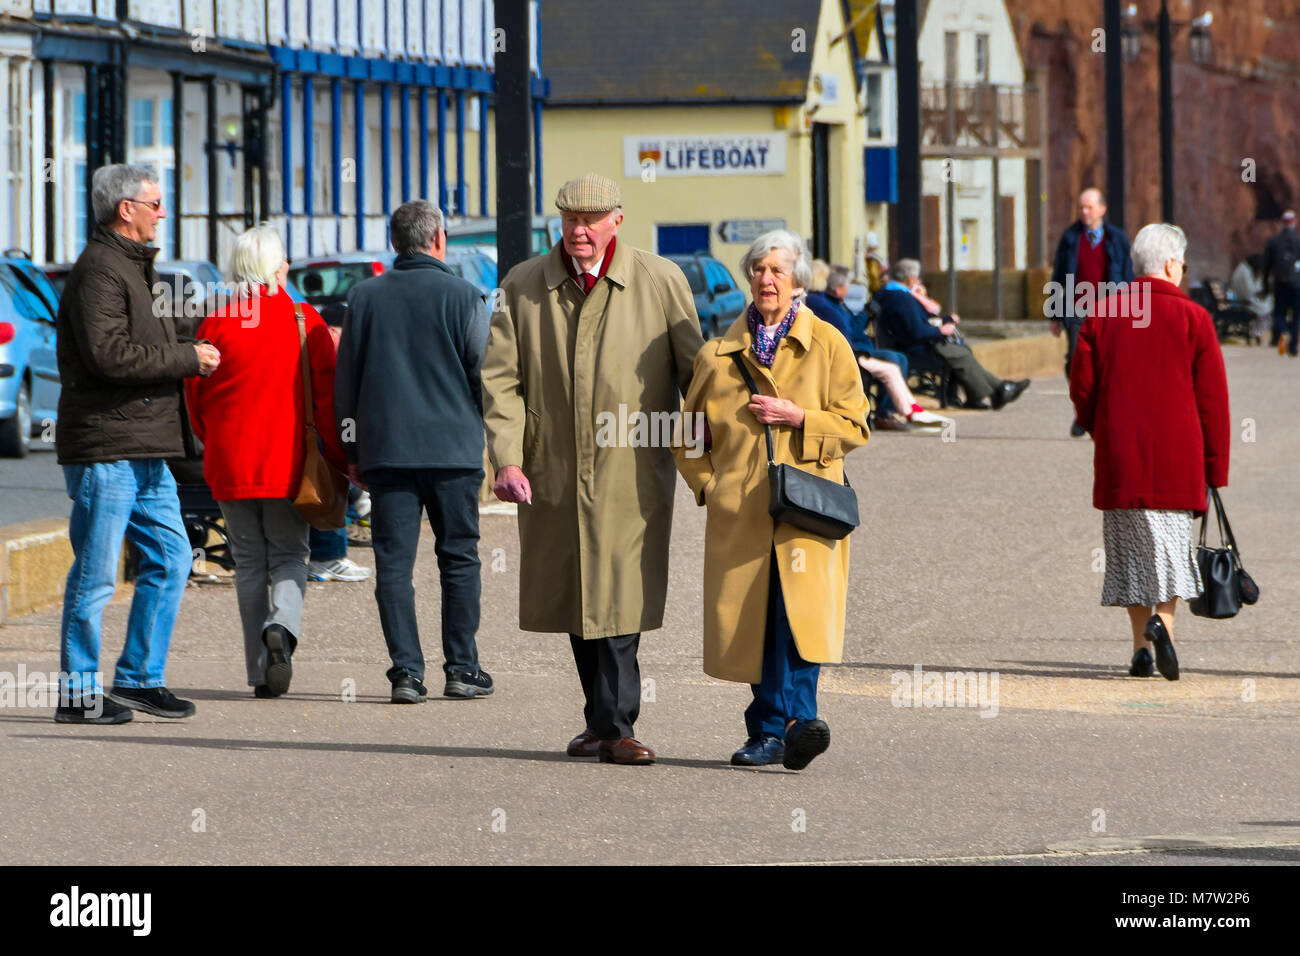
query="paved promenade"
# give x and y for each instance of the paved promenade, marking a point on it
(976, 554)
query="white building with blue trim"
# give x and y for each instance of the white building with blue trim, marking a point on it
(320, 116)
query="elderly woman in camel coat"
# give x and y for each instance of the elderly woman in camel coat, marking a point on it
(774, 595)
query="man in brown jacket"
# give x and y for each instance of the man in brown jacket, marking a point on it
(587, 359)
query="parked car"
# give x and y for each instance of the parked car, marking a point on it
(29, 365)
(481, 233)
(326, 281)
(718, 300)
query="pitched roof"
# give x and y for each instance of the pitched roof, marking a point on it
(676, 51)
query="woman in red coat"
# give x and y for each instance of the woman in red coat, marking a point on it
(1148, 384)
(251, 418)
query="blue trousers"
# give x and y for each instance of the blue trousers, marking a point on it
(135, 498)
(788, 689)
(1285, 300)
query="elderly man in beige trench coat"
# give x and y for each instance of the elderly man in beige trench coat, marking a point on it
(594, 341)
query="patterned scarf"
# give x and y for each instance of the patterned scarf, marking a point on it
(765, 341)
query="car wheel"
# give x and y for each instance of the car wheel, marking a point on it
(16, 431)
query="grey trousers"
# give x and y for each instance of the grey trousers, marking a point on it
(268, 539)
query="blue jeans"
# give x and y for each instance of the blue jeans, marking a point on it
(789, 683)
(328, 546)
(111, 499)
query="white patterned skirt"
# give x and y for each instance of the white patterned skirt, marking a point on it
(1149, 557)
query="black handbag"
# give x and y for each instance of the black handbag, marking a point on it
(1226, 583)
(809, 503)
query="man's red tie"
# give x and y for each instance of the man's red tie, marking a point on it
(588, 282)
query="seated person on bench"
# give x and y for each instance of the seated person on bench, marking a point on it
(905, 325)
(888, 368)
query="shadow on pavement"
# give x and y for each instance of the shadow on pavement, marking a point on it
(545, 756)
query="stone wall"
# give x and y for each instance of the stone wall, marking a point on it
(1245, 104)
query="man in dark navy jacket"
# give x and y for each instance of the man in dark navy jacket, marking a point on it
(905, 326)
(1092, 251)
(408, 402)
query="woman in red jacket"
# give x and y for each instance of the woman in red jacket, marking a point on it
(251, 420)
(1148, 384)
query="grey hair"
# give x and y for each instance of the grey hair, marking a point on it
(905, 269)
(1155, 243)
(415, 225)
(255, 259)
(839, 275)
(111, 184)
(786, 241)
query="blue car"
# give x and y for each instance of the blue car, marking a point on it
(718, 300)
(29, 364)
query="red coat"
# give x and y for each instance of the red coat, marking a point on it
(249, 412)
(1154, 397)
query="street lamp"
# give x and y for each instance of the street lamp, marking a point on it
(1202, 47)
(1130, 36)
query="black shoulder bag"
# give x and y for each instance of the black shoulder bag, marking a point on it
(1227, 585)
(809, 503)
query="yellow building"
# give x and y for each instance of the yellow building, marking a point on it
(718, 120)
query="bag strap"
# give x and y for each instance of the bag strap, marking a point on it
(1225, 529)
(306, 367)
(753, 388)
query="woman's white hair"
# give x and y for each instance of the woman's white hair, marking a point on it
(1156, 243)
(256, 258)
(786, 241)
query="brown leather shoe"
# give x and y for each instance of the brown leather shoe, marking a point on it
(586, 744)
(629, 750)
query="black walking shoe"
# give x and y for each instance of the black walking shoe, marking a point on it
(759, 751)
(804, 740)
(1077, 431)
(464, 685)
(1142, 665)
(92, 709)
(1166, 659)
(262, 692)
(158, 701)
(408, 690)
(279, 667)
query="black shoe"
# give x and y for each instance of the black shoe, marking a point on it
(804, 740)
(463, 684)
(759, 751)
(408, 690)
(1166, 659)
(262, 692)
(279, 667)
(92, 709)
(1142, 665)
(158, 701)
(1077, 431)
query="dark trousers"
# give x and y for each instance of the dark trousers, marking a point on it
(1071, 327)
(450, 497)
(788, 688)
(611, 682)
(1286, 298)
(974, 378)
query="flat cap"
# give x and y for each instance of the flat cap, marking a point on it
(589, 193)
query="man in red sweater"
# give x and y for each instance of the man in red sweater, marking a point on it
(1091, 252)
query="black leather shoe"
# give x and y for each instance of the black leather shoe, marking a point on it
(977, 404)
(804, 740)
(1166, 659)
(759, 751)
(262, 692)
(408, 690)
(158, 701)
(1076, 431)
(1142, 665)
(279, 667)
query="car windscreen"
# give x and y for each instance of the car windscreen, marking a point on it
(330, 281)
(694, 275)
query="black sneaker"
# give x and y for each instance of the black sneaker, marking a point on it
(408, 690)
(464, 685)
(92, 709)
(158, 701)
(279, 668)
(805, 740)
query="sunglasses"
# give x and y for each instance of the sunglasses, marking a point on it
(154, 204)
